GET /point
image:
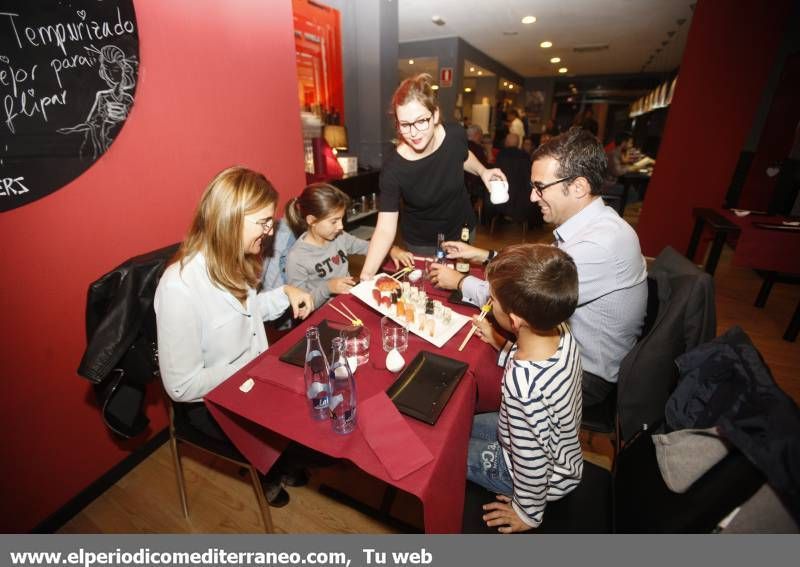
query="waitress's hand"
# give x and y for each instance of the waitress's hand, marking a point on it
(401, 257)
(489, 174)
(301, 301)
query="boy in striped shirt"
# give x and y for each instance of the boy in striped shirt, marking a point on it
(528, 452)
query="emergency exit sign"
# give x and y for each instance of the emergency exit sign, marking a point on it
(446, 77)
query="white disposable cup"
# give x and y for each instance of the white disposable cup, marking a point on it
(498, 191)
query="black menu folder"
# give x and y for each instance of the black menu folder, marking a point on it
(296, 354)
(425, 386)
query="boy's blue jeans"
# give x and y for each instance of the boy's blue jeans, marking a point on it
(485, 463)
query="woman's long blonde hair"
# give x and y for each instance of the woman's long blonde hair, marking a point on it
(217, 229)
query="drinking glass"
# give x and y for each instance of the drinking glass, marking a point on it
(356, 343)
(394, 335)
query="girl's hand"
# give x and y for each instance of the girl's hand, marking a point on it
(502, 514)
(301, 301)
(341, 285)
(400, 257)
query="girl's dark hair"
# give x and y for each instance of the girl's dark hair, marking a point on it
(536, 282)
(318, 200)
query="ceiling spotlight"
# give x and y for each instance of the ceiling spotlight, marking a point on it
(511, 87)
(480, 72)
(472, 69)
(563, 70)
(467, 90)
(546, 44)
(435, 87)
(529, 19)
(505, 83)
(437, 19)
(555, 60)
(410, 61)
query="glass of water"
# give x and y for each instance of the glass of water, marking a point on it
(356, 343)
(394, 335)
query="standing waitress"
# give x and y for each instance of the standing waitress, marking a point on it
(427, 172)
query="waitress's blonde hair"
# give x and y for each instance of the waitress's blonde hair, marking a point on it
(217, 229)
(418, 88)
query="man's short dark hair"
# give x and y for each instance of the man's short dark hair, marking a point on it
(536, 282)
(578, 154)
(622, 136)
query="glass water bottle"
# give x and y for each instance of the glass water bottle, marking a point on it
(316, 375)
(343, 390)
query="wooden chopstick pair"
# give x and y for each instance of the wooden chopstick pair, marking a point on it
(484, 312)
(351, 317)
(400, 272)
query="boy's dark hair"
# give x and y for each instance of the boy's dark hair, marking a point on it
(317, 199)
(536, 282)
(578, 154)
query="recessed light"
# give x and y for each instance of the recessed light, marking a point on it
(563, 70)
(472, 69)
(529, 19)
(467, 90)
(555, 60)
(435, 87)
(480, 72)
(510, 87)
(505, 83)
(546, 44)
(410, 61)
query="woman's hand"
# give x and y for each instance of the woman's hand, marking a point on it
(341, 285)
(486, 332)
(301, 301)
(489, 174)
(401, 257)
(458, 249)
(502, 514)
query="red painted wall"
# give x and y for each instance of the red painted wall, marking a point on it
(729, 54)
(216, 87)
(776, 139)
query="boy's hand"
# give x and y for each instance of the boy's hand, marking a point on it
(458, 249)
(341, 285)
(401, 257)
(502, 514)
(487, 333)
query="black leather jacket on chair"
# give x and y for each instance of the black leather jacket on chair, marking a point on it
(121, 356)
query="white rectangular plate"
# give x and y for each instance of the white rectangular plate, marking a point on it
(363, 291)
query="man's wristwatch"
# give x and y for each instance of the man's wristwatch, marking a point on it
(490, 257)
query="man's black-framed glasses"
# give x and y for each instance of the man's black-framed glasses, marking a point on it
(539, 187)
(419, 125)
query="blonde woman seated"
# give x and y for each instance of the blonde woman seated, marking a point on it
(210, 313)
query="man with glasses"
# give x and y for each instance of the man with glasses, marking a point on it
(566, 175)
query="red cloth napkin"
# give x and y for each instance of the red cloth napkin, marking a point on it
(390, 437)
(270, 369)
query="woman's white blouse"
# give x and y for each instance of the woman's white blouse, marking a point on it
(204, 333)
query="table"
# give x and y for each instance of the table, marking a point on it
(260, 422)
(771, 251)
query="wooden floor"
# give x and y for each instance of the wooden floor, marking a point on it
(221, 500)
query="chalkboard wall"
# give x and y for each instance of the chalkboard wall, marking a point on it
(68, 72)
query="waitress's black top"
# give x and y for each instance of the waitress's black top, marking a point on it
(432, 189)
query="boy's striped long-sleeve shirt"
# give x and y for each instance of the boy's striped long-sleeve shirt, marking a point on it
(540, 414)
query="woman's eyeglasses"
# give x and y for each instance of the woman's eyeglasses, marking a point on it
(265, 224)
(539, 187)
(419, 125)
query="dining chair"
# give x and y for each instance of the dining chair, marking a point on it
(181, 431)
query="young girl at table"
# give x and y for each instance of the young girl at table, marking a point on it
(528, 452)
(209, 310)
(319, 261)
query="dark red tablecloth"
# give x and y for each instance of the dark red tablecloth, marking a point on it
(260, 422)
(765, 249)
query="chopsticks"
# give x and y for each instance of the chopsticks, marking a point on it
(352, 318)
(400, 272)
(484, 312)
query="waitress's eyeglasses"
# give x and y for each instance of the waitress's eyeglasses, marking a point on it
(419, 125)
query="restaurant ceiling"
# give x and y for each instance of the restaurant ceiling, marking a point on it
(591, 37)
